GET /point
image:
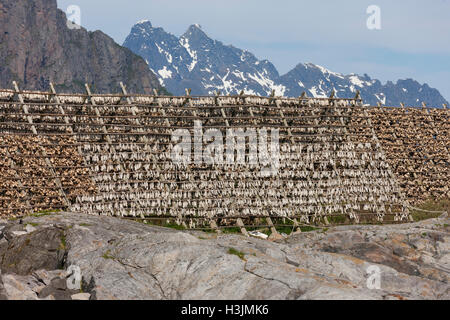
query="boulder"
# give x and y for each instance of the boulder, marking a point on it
(42, 249)
(81, 296)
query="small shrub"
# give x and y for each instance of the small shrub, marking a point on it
(107, 255)
(236, 253)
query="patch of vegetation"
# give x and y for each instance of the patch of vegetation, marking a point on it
(169, 224)
(431, 205)
(43, 213)
(285, 230)
(236, 253)
(85, 225)
(232, 230)
(62, 245)
(164, 223)
(337, 219)
(308, 228)
(107, 255)
(34, 224)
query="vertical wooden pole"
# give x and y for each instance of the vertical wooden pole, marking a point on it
(272, 226)
(291, 137)
(111, 148)
(348, 139)
(391, 174)
(222, 111)
(13, 166)
(70, 127)
(160, 106)
(167, 122)
(137, 122)
(49, 164)
(240, 224)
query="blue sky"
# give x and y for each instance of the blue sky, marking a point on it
(414, 40)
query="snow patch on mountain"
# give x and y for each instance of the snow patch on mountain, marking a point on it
(381, 98)
(192, 53)
(325, 71)
(164, 73)
(356, 81)
(267, 83)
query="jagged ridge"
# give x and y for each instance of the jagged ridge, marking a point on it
(196, 61)
(37, 47)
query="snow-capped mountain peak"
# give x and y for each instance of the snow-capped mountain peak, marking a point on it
(196, 61)
(144, 22)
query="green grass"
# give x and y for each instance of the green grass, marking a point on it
(174, 226)
(165, 224)
(337, 219)
(63, 244)
(288, 229)
(236, 253)
(431, 205)
(85, 225)
(285, 230)
(44, 213)
(231, 230)
(308, 228)
(107, 255)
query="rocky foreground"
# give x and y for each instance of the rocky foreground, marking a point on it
(128, 260)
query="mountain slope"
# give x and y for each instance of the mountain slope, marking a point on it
(196, 61)
(37, 47)
(319, 82)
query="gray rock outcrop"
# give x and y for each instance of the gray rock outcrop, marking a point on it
(122, 259)
(36, 47)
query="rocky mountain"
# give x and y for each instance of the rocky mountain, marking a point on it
(36, 47)
(196, 61)
(317, 81)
